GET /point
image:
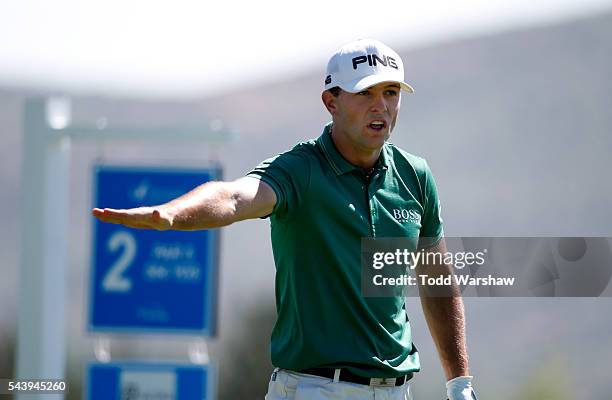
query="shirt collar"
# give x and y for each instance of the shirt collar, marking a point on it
(338, 163)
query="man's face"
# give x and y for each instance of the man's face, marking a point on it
(367, 118)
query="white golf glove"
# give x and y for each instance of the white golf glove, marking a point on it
(460, 388)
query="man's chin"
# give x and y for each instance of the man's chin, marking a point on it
(379, 138)
(377, 144)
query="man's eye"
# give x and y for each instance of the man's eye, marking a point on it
(392, 92)
(363, 93)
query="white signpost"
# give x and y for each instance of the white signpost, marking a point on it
(44, 214)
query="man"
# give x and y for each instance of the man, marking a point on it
(322, 197)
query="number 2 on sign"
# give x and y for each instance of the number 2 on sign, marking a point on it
(114, 280)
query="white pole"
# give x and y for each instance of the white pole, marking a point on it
(44, 212)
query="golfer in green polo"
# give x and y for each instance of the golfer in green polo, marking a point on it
(322, 197)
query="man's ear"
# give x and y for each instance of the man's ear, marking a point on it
(330, 101)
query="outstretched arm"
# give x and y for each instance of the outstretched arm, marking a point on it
(211, 205)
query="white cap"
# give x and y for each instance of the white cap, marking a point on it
(364, 63)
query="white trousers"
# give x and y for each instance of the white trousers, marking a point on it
(290, 385)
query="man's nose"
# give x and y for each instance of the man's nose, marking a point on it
(379, 103)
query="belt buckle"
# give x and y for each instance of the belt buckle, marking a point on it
(382, 381)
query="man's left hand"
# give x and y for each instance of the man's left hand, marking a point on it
(460, 388)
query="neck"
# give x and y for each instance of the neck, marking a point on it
(360, 157)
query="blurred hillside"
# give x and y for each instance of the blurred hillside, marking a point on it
(518, 132)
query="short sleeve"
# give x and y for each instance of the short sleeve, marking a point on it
(287, 174)
(432, 229)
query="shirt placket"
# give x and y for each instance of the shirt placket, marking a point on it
(372, 186)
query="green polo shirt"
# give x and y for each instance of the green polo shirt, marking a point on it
(325, 205)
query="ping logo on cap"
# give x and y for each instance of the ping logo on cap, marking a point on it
(374, 59)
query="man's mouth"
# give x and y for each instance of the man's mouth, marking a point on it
(378, 125)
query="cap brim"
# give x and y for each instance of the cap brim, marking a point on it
(366, 82)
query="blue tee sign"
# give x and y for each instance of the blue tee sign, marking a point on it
(147, 281)
(142, 381)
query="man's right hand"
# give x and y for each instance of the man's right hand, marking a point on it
(141, 217)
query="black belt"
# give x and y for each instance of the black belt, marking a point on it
(348, 376)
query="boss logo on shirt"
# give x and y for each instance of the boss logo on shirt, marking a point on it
(373, 60)
(402, 215)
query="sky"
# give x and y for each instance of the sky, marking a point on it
(189, 48)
